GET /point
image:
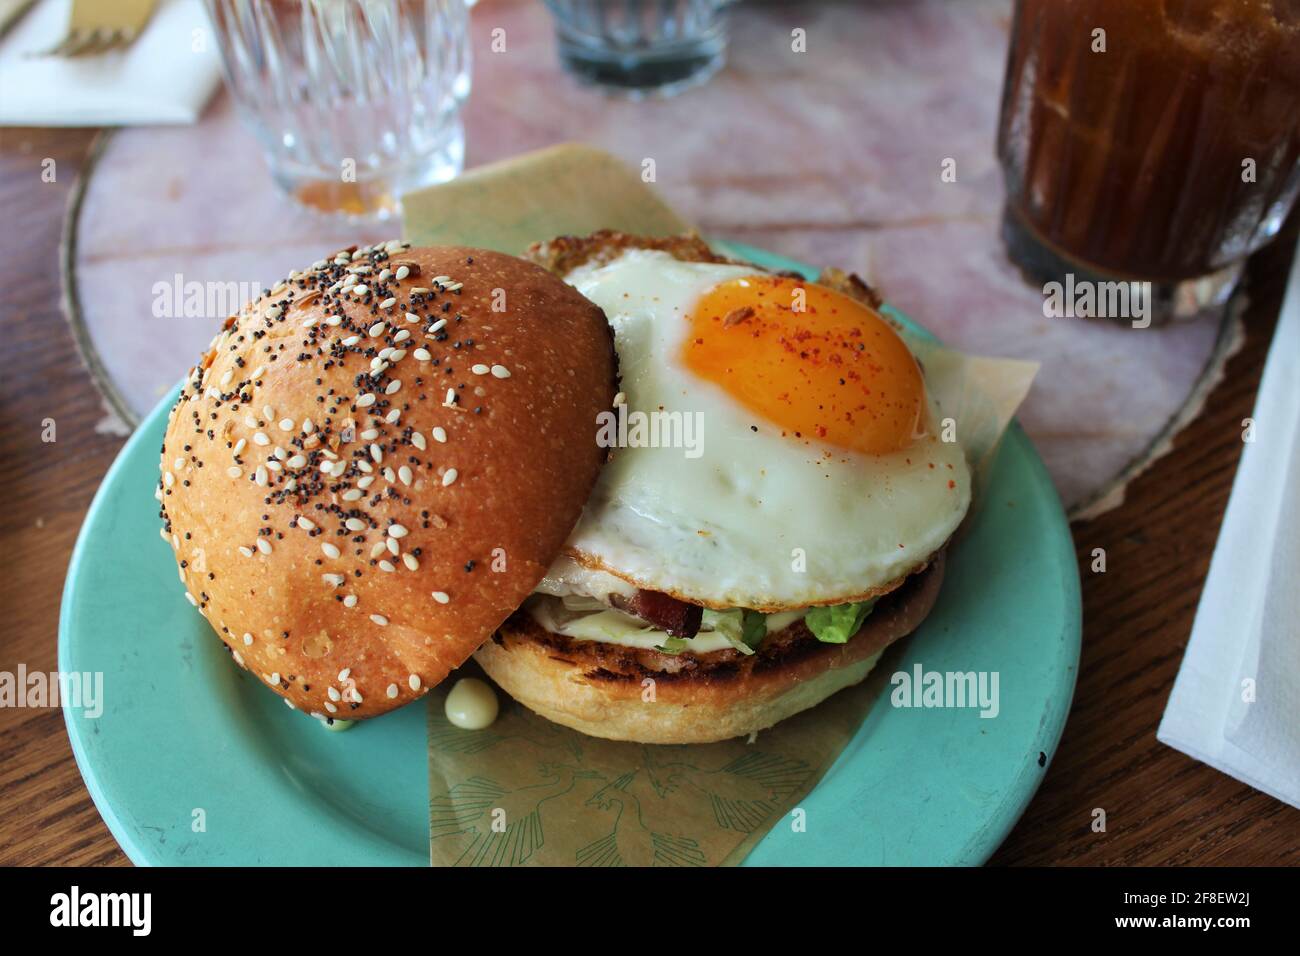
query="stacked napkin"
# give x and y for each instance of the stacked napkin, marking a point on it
(165, 76)
(1236, 703)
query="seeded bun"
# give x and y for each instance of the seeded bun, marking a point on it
(602, 689)
(354, 522)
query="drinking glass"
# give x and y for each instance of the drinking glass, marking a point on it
(641, 47)
(354, 101)
(1153, 142)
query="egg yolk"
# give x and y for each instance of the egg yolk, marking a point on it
(812, 361)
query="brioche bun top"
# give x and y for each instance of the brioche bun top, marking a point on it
(365, 476)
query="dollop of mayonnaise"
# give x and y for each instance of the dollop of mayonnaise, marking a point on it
(471, 704)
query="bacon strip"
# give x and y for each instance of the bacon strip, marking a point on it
(663, 611)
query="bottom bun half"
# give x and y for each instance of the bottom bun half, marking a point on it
(603, 692)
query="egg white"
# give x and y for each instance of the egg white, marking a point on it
(757, 520)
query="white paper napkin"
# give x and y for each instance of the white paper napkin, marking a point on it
(1247, 627)
(165, 76)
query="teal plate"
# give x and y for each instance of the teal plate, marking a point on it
(193, 762)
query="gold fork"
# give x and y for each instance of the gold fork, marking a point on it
(97, 26)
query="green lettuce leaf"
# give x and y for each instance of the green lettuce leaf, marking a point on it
(836, 624)
(755, 628)
(674, 645)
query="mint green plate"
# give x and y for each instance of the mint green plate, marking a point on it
(192, 762)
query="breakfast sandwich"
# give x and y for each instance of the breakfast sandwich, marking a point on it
(773, 516)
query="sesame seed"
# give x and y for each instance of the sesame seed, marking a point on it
(234, 471)
(274, 312)
(402, 336)
(246, 552)
(334, 580)
(412, 563)
(370, 434)
(379, 619)
(378, 549)
(355, 524)
(393, 416)
(260, 476)
(260, 438)
(366, 400)
(393, 549)
(350, 601)
(388, 303)
(365, 482)
(422, 355)
(479, 369)
(330, 551)
(417, 439)
(169, 479)
(263, 545)
(359, 289)
(393, 386)
(297, 461)
(387, 566)
(442, 597)
(438, 326)
(353, 494)
(451, 397)
(190, 597)
(413, 682)
(404, 473)
(239, 446)
(377, 454)
(331, 708)
(344, 674)
(449, 477)
(500, 371)
(376, 330)
(248, 640)
(350, 341)
(334, 693)
(439, 434)
(397, 531)
(392, 688)
(412, 317)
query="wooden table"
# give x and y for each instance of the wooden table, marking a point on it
(1161, 807)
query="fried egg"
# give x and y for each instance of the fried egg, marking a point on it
(775, 446)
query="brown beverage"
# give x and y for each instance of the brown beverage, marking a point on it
(1164, 148)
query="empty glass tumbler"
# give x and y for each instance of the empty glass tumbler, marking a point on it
(641, 47)
(354, 101)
